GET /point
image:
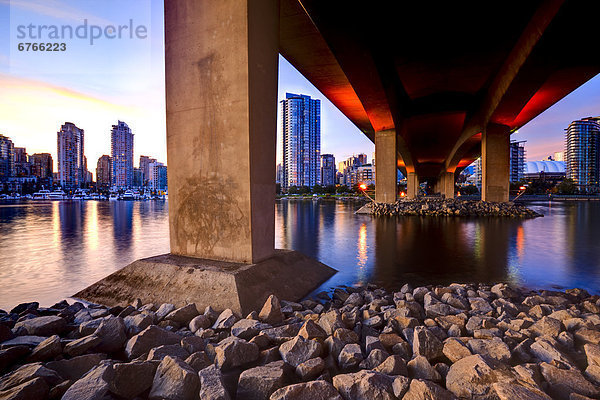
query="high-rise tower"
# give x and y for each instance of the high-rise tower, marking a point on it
(71, 159)
(583, 153)
(301, 127)
(121, 147)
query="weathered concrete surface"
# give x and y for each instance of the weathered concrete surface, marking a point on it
(181, 280)
(412, 185)
(495, 162)
(221, 99)
(386, 166)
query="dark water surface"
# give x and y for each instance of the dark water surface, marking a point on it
(50, 250)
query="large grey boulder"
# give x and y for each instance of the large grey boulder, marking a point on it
(134, 324)
(26, 340)
(426, 344)
(299, 350)
(455, 350)
(225, 320)
(472, 378)
(310, 369)
(93, 386)
(132, 379)
(212, 385)
(164, 310)
(81, 346)
(183, 315)
(364, 385)
(76, 367)
(420, 368)
(174, 380)
(259, 383)
(34, 389)
(198, 360)
(546, 349)
(271, 311)
(42, 326)
(28, 372)
(426, 390)
(315, 390)
(563, 382)
(172, 350)
(247, 328)
(310, 330)
(350, 356)
(512, 391)
(46, 350)
(199, 322)
(149, 338)
(330, 321)
(493, 348)
(112, 335)
(234, 352)
(393, 365)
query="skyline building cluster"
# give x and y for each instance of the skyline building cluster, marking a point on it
(20, 171)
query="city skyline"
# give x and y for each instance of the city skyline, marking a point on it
(136, 95)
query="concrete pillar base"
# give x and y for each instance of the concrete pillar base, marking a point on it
(412, 185)
(178, 280)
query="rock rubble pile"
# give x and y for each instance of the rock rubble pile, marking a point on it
(458, 341)
(438, 207)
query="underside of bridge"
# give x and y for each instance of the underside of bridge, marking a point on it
(433, 84)
(442, 75)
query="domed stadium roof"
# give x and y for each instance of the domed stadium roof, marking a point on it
(535, 167)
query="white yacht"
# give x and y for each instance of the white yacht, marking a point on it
(42, 195)
(57, 195)
(128, 195)
(113, 196)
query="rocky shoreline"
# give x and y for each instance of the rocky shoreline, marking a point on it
(438, 207)
(434, 342)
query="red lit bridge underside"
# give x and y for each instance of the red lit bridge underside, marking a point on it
(440, 73)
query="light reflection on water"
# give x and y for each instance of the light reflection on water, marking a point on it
(50, 250)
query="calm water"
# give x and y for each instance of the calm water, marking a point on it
(50, 250)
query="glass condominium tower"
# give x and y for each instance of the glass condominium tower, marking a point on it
(121, 146)
(583, 153)
(71, 160)
(301, 128)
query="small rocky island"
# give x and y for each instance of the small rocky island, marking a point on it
(439, 207)
(436, 342)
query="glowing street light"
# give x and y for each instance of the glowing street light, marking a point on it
(363, 187)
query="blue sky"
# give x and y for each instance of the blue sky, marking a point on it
(123, 79)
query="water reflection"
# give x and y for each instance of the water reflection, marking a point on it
(50, 250)
(559, 250)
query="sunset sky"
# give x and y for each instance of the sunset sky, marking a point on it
(95, 85)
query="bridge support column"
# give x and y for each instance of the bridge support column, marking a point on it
(412, 185)
(495, 154)
(386, 166)
(221, 97)
(446, 184)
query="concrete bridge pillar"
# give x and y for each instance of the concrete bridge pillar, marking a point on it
(495, 163)
(446, 184)
(412, 185)
(221, 86)
(386, 166)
